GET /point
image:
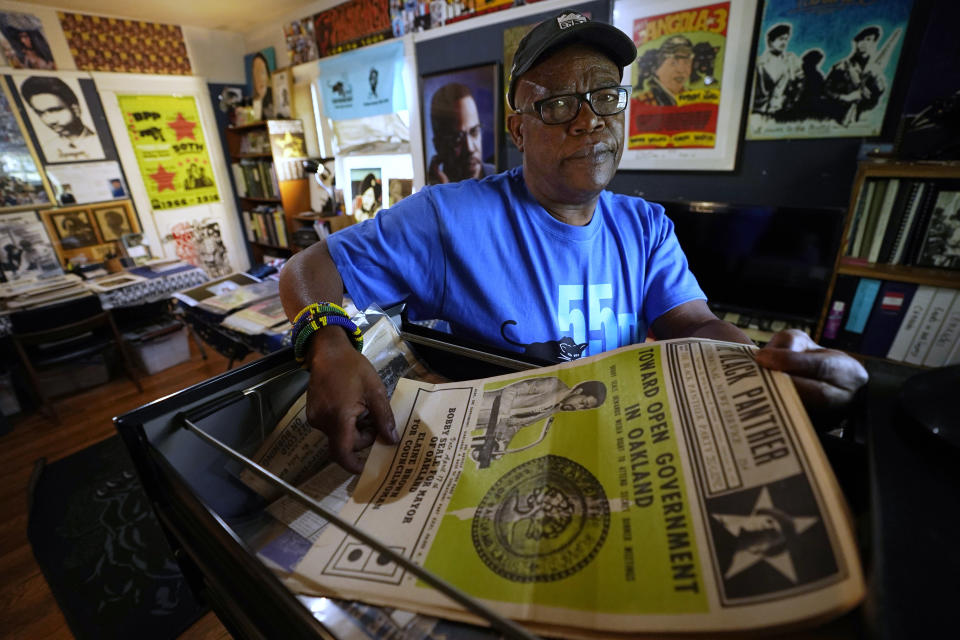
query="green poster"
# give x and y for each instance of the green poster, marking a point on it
(171, 151)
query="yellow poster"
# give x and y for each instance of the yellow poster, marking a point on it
(171, 151)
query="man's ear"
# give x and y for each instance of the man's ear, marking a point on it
(515, 126)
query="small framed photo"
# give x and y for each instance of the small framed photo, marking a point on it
(114, 220)
(283, 93)
(460, 124)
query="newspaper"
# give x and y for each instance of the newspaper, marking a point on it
(665, 487)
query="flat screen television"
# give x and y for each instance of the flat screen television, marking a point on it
(767, 261)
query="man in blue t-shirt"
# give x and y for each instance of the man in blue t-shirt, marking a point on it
(539, 258)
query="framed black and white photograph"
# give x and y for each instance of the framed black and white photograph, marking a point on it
(26, 253)
(460, 123)
(60, 117)
(115, 220)
(23, 184)
(71, 228)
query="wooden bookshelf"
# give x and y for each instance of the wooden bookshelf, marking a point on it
(905, 273)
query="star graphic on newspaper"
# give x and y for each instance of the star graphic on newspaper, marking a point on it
(163, 178)
(182, 127)
(764, 535)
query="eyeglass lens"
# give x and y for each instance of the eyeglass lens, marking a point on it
(604, 102)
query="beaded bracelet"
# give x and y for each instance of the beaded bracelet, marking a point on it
(314, 316)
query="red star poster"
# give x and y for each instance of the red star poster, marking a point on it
(171, 150)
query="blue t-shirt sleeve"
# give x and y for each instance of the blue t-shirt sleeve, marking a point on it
(670, 282)
(395, 257)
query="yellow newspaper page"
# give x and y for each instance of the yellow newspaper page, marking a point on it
(673, 486)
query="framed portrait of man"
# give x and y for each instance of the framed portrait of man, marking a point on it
(460, 123)
(60, 117)
(71, 227)
(114, 220)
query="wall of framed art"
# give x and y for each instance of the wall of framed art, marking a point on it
(90, 233)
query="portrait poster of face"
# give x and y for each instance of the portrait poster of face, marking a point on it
(258, 67)
(367, 187)
(22, 183)
(23, 42)
(171, 150)
(459, 123)
(688, 81)
(399, 189)
(825, 74)
(60, 117)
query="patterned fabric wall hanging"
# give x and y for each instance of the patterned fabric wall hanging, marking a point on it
(127, 46)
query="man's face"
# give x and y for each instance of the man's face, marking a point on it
(54, 112)
(567, 164)
(578, 401)
(461, 147)
(674, 72)
(867, 45)
(780, 43)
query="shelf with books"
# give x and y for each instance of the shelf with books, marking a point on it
(271, 186)
(895, 290)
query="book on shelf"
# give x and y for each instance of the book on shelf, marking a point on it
(922, 189)
(906, 193)
(912, 319)
(872, 216)
(883, 218)
(626, 516)
(855, 233)
(891, 305)
(927, 330)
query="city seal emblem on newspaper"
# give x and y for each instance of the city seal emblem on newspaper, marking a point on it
(542, 521)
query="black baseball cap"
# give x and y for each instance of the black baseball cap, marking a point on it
(565, 28)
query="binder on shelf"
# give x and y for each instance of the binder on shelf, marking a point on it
(903, 233)
(939, 305)
(906, 192)
(855, 234)
(885, 318)
(911, 322)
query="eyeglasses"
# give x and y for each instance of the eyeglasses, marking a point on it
(608, 101)
(457, 138)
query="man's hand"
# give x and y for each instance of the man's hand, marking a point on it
(345, 398)
(825, 379)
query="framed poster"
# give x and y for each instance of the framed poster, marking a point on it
(171, 150)
(825, 74)
(23, 185)
(460, 123)
(114, 220)
(23, 42)
(688, 81)
(59, 116)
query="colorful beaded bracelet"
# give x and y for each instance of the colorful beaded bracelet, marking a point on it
(314, 316)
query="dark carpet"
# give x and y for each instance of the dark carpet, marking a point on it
(101, 549)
